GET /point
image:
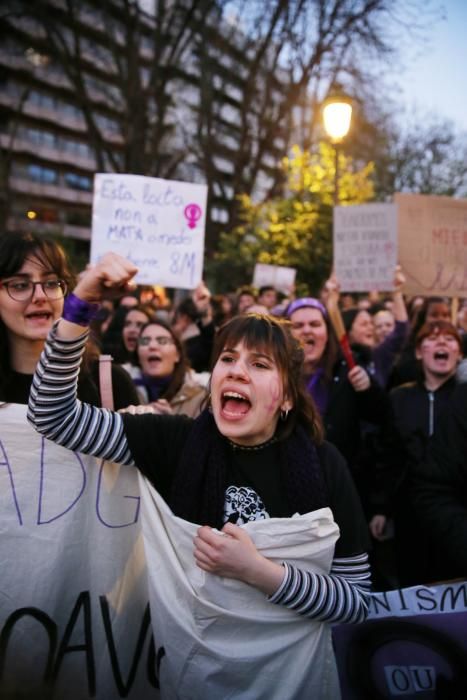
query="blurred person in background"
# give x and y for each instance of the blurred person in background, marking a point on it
(384, 324)
(429, 310)
(245, 298)
(162, 374)
(121, 337)
(379, 358)
(193, 323)
(418, 407)
(267, 296)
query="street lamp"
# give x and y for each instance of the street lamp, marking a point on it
(337, 115)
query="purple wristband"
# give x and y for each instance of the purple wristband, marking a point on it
(79, 311)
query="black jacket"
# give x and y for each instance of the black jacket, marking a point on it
(440, 490)
(347, 409)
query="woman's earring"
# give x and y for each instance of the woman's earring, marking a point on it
(284, 414)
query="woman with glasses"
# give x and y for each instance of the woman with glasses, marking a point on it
(162, 375)
(34, 280)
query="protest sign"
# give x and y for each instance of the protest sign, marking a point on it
(365, 246)
(433, 244)
(277, 276)
(414, 644)
(74, 614)
(157, 224)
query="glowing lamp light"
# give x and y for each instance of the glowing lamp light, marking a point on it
(31, 214)
(337, 114)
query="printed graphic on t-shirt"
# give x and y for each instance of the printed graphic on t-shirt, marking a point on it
(242, 505)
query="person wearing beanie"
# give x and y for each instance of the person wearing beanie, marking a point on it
(344, 398)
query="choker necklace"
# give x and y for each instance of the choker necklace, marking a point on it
(252, 448)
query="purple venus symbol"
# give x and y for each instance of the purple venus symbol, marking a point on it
(192, 214)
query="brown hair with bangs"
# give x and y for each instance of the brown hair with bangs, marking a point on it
(15, 250)
(273, 337)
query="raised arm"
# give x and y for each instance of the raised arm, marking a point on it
(54, 410)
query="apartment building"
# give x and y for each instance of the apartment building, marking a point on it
(53, 139)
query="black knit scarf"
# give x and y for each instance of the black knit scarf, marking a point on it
(199, 485)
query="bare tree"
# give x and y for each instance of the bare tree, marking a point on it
(157, 97)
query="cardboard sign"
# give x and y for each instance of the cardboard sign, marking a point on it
(365, 246)
(277, 276)
(433, 244)
(157, 224)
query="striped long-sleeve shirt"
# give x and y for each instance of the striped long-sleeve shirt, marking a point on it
(340, 596)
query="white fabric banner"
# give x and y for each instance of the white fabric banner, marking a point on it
(74, 615)
(76, 576)
(220, 638)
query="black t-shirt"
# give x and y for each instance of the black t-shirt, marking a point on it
(255, 489)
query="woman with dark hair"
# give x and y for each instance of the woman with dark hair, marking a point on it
(343, 397)
(161, 372)
(256, 454)
(379, 357)
(34, 279)
(121, 337)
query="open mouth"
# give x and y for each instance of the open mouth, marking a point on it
(235, 404)
(39, 316)
(441, 355)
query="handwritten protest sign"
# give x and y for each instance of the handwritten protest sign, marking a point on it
(157, 224)
(433, 244)
(278, 276)
(74, 614)
(412, 645)
(365, 246)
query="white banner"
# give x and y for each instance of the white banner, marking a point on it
(219, 638)
(277, 276)
(74, 616)
(157, 224)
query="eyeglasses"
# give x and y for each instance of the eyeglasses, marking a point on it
(160, 340)
(23, 290)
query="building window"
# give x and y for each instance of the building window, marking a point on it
(78, 218)
(78, 182)
(40, 174)
(78, 148)
(41, 99)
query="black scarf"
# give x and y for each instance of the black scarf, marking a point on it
(199, 485)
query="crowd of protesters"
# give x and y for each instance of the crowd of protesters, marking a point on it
(380, 414)
(380, 437)
(383, 414)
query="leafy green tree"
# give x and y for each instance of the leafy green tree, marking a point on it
(296, 230)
